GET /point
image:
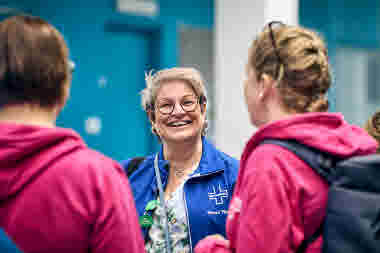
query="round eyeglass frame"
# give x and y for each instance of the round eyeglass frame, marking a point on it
(198, 100)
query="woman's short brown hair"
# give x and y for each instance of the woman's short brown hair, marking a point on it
(34, 65)
(297, 58)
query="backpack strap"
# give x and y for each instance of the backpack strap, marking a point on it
(134, 164)
(321, 162)
(306, 242)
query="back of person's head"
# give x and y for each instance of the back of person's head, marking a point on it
(297, 59)
(34, 64)
(372, 127)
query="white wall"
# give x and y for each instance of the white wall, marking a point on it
(236, 24)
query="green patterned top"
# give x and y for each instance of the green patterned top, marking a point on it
(178, 227)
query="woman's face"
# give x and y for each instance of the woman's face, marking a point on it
(253, 97)
(186, 120)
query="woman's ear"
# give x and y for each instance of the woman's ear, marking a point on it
(65, 97)
(266, 84)
(203, 107)
(151, 117)
(152, 122)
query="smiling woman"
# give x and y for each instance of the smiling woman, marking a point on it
(197, 179)
(178, 121)
(160, 84)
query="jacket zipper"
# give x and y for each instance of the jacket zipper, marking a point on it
(187, 217)
(186, 211)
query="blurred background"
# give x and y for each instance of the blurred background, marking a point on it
(113, 42)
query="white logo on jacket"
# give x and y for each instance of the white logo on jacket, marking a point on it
(218, 196)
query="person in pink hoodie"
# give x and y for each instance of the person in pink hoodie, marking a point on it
(279, 200)
(56, 194)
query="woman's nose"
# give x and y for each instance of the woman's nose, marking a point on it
(178, 108)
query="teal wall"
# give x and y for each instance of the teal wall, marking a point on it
(343, 23)
(120, 47)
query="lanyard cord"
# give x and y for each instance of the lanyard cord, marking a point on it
(163, 204)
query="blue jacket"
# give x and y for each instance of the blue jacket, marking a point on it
(207, 192)
(6, 245)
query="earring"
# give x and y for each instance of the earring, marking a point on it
(154, 130)
(261, 95)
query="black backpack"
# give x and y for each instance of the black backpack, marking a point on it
(133, 165)
(352, 223)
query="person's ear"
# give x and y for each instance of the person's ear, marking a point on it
(203, 103)
(152, 121)
(151, 116)
(204, 107)
(266, 84)
(65, 97)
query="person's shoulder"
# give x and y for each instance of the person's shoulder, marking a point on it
(267, 152)
(86, 162)
(229, 163)
(228, 158)
(95, 159)
(85, 175)
(273, 159)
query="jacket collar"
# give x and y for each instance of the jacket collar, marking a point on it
(210, 161)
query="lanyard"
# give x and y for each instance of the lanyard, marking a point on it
(162, 203)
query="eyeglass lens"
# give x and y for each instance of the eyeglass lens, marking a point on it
(166, 106)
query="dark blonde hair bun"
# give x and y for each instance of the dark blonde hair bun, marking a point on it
(303, 74)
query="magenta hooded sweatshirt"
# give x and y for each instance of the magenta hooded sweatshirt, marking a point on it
(57, 195)
(278, 199)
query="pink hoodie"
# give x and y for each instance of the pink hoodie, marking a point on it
(57, 195)
(278, 200)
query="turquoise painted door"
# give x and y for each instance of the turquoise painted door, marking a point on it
(105, 104)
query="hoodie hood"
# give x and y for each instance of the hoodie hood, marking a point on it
(328, 132)
(26, 151)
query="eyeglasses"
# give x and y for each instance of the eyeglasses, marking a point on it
(272, 25)
(188, 104)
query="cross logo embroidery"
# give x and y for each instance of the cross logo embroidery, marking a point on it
(218, 196)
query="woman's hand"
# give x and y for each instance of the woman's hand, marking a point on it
(218, 237)
(213, 244)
